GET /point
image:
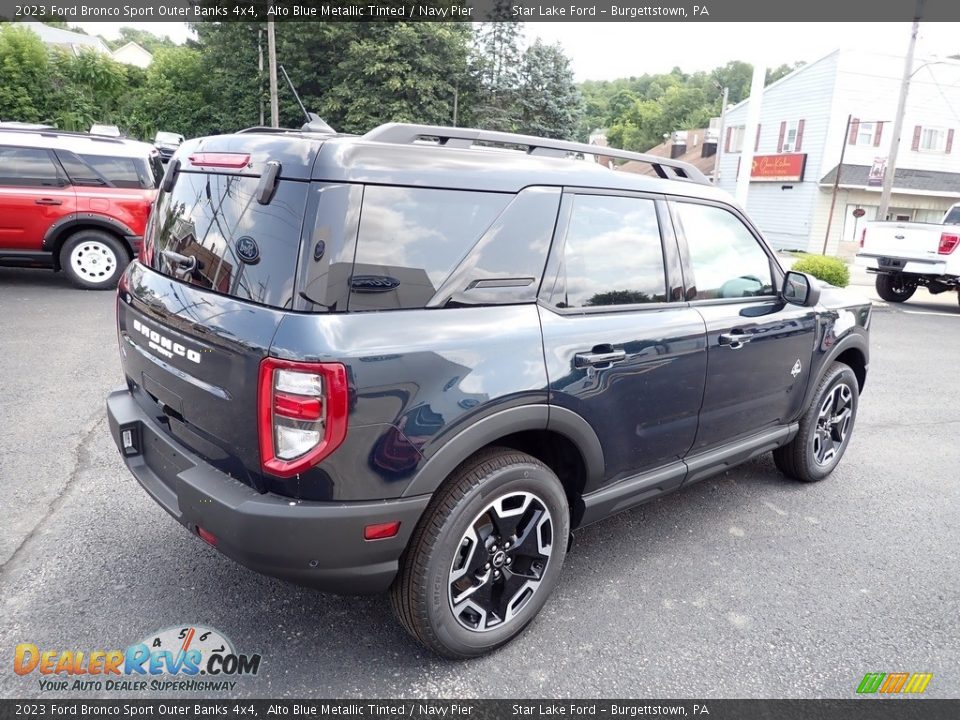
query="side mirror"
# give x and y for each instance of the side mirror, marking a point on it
(800, 289)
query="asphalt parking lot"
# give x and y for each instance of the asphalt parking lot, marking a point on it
(745, 585)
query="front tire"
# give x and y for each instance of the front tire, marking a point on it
(895, 288)
(486, 555)
(825, 428)
(93, 259)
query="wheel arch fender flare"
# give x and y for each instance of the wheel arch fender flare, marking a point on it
(853, 341)
(58, 233)
(486, 431)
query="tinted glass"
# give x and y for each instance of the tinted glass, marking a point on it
(411, 239)
(727, 259)
(242, 248)
(953, 216)
(612, 254)
(108, 171)
(27, 167)
(122, 171)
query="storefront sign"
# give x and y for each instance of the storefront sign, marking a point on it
(787, 167)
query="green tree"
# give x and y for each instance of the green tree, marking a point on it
(178, 73)
(24, 67)
(495, 62)
(550, 104)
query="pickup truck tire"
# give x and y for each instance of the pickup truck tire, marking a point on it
(895, 287)
(485, 556)
(825, 428)
(94, 259)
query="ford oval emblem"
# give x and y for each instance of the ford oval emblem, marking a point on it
(373, 283)
(247, 249)
(898, 237)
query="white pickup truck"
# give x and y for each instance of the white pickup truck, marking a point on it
(905, 255)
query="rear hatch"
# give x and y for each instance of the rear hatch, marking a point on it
(197, 314)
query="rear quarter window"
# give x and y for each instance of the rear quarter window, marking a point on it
(411, 239)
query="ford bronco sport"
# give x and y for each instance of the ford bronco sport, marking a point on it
(414, 361)
(74, 202)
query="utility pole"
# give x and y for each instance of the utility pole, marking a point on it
(720, 133)
(750, 132)
(836, 183)
(898, 120)
(456, 101)
(272, 58)
(260, 71)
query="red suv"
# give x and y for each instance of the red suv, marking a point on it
(74, 202)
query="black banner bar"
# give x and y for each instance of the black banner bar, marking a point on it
(635, 11)
(854, 709)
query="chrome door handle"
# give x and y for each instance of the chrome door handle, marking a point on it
(581, 360)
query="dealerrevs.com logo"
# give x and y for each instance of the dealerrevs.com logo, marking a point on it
(189, 658)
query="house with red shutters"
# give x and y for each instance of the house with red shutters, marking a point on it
(844, 106)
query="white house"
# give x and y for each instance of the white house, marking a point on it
(129, 54)
(804, 129)
(133, 54)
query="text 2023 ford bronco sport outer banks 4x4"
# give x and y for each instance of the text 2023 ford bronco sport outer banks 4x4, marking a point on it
(412, 361)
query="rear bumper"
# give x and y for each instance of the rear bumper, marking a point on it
(912, 267)
(320, 545)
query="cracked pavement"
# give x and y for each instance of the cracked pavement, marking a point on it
(744, 585)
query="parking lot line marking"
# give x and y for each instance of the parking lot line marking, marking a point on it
(931, 312)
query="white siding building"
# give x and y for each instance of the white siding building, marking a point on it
(803, 129)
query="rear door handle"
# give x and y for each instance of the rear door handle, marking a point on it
(581, 360)
(736, 339)
(48, 201)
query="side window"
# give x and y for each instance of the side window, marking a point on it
(612, 254)
(28, 167)
(411, 239)
(727, 259)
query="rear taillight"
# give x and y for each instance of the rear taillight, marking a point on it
(948, 243)
(863, 236)
(302, 414)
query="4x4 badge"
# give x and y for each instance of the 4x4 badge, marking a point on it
(797, 368)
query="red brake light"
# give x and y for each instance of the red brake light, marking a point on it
(220, 160)
(297, 406)
(302, 414)
(948, 243)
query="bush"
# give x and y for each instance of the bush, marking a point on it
(829, 269)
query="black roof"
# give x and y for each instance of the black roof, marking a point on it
(446, 164)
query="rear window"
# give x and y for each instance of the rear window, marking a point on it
(112, 171)
(411, 239)
(953, 216)
(211, 232)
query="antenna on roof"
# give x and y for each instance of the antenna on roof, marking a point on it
(314, 122)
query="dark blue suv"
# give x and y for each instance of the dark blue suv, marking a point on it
(414, 361)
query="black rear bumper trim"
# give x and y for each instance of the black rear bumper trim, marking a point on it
(316, 544)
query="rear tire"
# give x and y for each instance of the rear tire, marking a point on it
(94, 259)
(895, 288)
(825, 428)
(486, 555)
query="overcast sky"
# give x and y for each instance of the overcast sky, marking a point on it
(603, 51)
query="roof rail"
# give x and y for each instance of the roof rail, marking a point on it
(404, 134)
(53, 132)
(265, 129)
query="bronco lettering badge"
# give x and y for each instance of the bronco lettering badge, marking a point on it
(164, 345)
